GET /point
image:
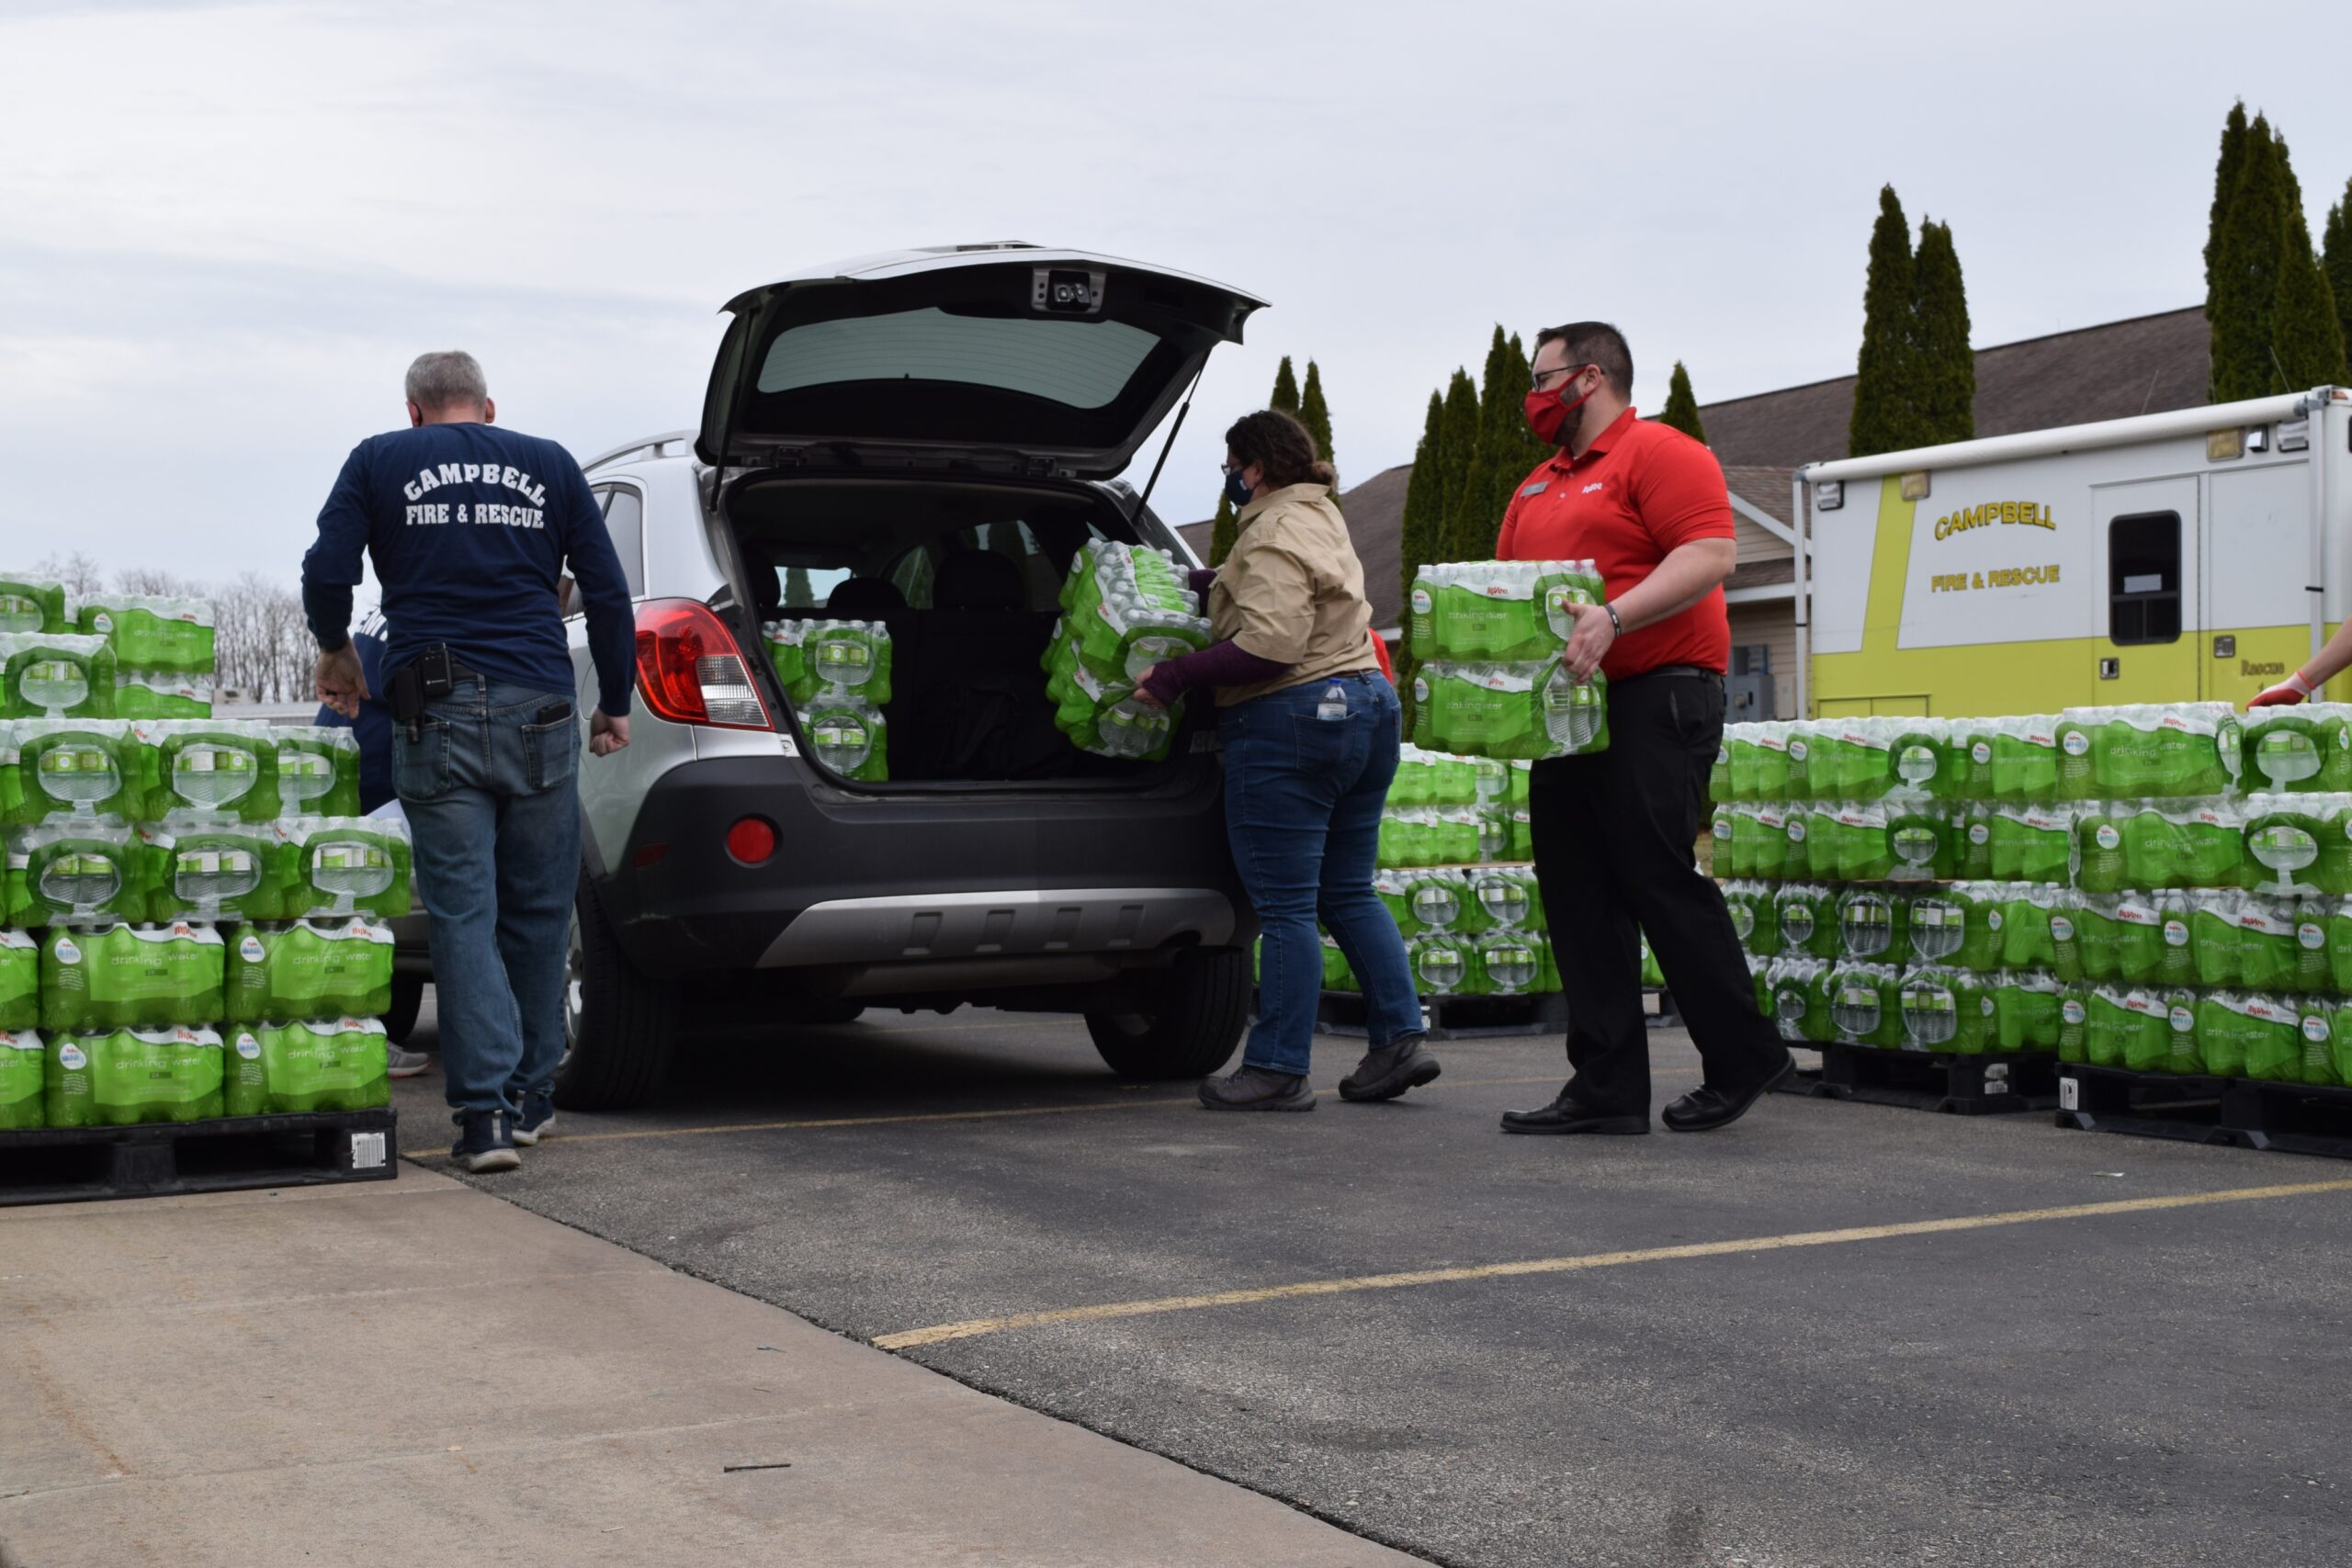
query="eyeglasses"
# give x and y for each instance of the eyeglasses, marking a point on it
(1544, 377)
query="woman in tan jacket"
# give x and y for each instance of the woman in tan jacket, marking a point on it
(1310, 729)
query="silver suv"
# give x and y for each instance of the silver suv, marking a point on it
(925, 439)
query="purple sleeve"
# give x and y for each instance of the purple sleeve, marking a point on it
(1199, 579)
(1226, 663)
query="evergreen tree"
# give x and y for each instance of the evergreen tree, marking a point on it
(1316, 414)
(1285, 396)
(2337, 261)
(1886, 381)
(2307, 334)
(1947, 407)
(798, 595)
(1424, 513)
(2225, 179)
(1681, 411)
(1511, 448)
(1223, 531)
(1457, 448)
(2249, 246)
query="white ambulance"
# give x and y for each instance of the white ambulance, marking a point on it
(2201, 554)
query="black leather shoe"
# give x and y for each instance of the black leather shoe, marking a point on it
(1568, 1115)
(1707, 1107)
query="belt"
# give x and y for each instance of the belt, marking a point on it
(1681, 672)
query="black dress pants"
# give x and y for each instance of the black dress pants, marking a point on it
(1613, 834)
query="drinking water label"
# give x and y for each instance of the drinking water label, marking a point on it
(2311, 935)
(1980, 832)
(2184, 1021)
(2077, 742)
(1981, 752)
(66, 952)
(250, 948)
(1995, 920)
(2071, 1010)
(2175, 933)
(2107, 837)
(2315, 1029)
(1796, 830)
(246, 1046)
(69, 1057)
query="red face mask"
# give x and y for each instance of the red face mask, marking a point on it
(1546, 412)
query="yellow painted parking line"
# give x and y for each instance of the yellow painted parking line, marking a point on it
(816, 1123)
(975, 1327)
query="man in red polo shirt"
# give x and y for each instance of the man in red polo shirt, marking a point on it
(1613, 831)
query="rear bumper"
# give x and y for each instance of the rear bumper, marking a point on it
(930, 891)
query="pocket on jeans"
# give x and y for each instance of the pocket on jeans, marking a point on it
(551, 752)
(1332, 746)
(421, 767)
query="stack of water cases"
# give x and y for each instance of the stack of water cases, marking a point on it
(1491, 682)
(837, 675)
(1124, 609)
(1456, 873)
(2163, 888)
(192, 922)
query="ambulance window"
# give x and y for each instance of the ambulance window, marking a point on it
(2143, 577)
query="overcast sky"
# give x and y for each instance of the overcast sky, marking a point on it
(228, 227)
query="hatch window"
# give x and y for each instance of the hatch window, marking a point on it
(2143, 577)
(1081, 365)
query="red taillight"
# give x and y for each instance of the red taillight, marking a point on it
(750, 840)
(690, 672)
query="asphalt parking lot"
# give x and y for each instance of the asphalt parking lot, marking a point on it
(1834, 1334)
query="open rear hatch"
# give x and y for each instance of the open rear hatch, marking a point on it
(1003, 357)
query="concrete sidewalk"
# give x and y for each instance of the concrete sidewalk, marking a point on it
(414, 1371)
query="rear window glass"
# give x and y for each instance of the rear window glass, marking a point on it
(1081, 365)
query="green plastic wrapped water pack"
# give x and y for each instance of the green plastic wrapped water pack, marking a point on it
(2298, 846)
(1444, 965)
(347, 865)
(74, 871)
(853, 658)
(1866, 1004)
(32, 602)
(45, 676)
(308, 969)
(1801, 1006)
(125, 1076)
(2302, 749)
(214, 871)
(221, 771)
(317, 769)
(23, 1080)
(151, 631)
(19, 979)
(1125, 608)
(126, 976)
(277, 1070)
(77, 768)
(1529, 711)
(1509, 611)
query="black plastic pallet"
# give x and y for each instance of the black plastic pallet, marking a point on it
(2247, 1113)
(66, 1165)
(1454, 1018)
(1928, 1080)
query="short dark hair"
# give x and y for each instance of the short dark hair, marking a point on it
(1595, 343)
(1281, 447)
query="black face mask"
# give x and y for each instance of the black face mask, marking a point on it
(1236, 488)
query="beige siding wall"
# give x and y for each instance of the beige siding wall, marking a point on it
(1759, 544)
(1774, 625)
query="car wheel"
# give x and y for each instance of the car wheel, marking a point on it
(619, 1026)
(408, 1000)
(1195, 1020)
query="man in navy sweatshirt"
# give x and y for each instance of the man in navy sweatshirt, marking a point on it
(470, 528)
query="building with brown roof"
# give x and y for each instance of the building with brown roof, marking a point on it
(2144, 365)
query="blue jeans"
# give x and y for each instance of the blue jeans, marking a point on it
(1302, 810)
(495, 818)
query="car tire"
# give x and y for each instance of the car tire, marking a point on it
(408, 1000)
(622, 1026)
(1196, 1020)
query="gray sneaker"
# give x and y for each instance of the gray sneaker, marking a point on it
(1255, 1088)
(400, 1063)
(1388, 1072)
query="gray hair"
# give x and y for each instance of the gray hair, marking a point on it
(448, 377)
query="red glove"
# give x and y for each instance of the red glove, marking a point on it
(2294, 689)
